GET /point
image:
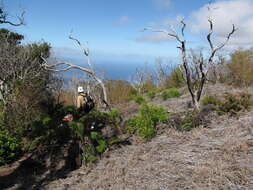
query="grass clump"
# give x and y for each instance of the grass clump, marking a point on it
(188, 120)
(170, 93)
(144, 124)
(151, 94)
(139, 99)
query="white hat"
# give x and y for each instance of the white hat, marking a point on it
(80, 89)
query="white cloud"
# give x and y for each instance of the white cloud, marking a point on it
(153, 38)
(162, 4)
(225, 13)
(123, 20)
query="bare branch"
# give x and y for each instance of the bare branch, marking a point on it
(183, 27)
(210, 33)
(3, 19)
(214, 50)
(164, 32)
(68, 66)
(85, 49)
(227, 39)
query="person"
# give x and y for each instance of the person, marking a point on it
(80, 97)
(85, 102)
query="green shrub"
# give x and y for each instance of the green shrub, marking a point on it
(114, 115)
(10, 148)
(151, 94)
(155, 113)
(145, 122)
(100, 143)
(139, 99)
(170, 93)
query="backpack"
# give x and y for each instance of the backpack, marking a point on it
(89, 104)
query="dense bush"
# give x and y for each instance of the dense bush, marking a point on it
(145, 122)
(170, 93)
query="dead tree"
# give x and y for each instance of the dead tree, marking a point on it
(196, 73)
(140, 77)
(90, 71)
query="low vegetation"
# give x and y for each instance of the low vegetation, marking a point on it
(170, 93)
(230, 103)
(144, 124)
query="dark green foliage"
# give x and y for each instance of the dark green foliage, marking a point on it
(99, 119)
(151, 94)
(87, 131)
(170, 93)
(100, 143)
(145, 122)
(10, 148)
(10, 37)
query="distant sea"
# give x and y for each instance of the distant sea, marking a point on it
(109, 69)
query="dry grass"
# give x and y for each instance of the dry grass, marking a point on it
(218, 157)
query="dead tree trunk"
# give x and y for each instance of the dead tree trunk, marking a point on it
(196, 73)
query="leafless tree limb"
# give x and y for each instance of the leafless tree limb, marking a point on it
(4, 19)
(67, 66)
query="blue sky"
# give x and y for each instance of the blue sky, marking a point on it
(112, 27)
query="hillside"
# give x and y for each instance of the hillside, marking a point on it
(219, 156)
